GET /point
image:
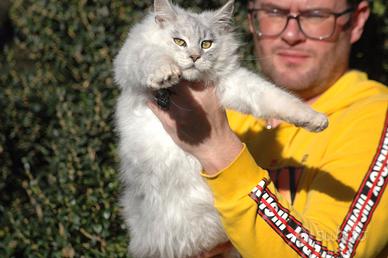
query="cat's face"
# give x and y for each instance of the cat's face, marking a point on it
(194, 46)
(194, 40)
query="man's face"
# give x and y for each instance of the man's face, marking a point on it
(305, 66)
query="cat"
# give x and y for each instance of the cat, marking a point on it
(167, 206)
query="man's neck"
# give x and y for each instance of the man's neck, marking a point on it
(313, 93)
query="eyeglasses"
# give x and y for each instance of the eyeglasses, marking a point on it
(314, 24)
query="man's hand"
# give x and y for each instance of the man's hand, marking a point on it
(198, 124)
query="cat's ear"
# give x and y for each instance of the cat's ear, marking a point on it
(163, 11)
(223, 16)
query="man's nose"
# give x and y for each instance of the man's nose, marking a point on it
(292, 34)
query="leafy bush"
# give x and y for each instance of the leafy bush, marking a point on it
(58, 163)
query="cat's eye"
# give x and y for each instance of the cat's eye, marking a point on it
(180, 42)
(206, 44)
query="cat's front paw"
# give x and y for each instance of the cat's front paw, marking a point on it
(318, 123)
(165, 76)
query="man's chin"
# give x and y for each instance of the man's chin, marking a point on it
(289, 79)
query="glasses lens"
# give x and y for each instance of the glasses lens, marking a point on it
(269, 23)
(314, 24)
(317, 25)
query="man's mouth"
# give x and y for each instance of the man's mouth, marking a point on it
(291, 56)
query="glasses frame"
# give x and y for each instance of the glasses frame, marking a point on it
(297, 18)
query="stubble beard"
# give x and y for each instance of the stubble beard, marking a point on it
(289, 78)
(306, 80)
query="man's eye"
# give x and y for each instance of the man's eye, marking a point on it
(316, 14)
(274, 12)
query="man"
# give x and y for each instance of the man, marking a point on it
(283, 191)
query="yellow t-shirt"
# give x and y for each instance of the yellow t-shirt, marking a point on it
(293, 193)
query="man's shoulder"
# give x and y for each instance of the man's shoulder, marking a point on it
(365, 95)
(375, 97)
(377, 88)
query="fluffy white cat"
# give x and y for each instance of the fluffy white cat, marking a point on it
(167, 205)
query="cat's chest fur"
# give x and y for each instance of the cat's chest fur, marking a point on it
(165, 199)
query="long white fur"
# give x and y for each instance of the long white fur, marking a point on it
(166, 204)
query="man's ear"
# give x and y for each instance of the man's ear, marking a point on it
(360, 17)
(223, 17)
(164, 11)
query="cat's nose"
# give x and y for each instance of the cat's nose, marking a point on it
(195, 57)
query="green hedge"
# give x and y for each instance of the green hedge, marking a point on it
(58, 162)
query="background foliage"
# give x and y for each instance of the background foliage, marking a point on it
(58, 165)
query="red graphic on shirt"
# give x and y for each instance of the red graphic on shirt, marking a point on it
(286, 181)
